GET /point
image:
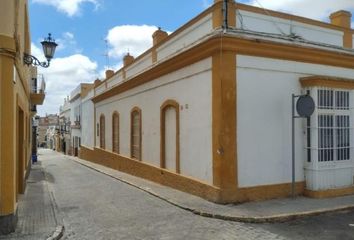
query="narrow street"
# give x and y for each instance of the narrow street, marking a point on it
(95, 206)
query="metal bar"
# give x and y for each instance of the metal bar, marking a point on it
(293, 146)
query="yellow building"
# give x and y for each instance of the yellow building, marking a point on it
(18, 97)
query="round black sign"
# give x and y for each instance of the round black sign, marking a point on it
(305, 106)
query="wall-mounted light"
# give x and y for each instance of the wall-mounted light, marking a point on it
(49, 46)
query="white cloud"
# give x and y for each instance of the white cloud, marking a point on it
(129, 38)
(62, 76)
(69, 7)
(207, 3)
(68, 41)
(315, 9)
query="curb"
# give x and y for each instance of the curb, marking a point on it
(57, 234)
(246, 219)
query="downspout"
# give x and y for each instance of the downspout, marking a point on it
(225, 10)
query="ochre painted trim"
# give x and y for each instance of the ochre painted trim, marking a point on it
(348, 39)
(264, 192)
(224, 120)
(259, 48)
(329, 193)
(115, 114)
(184, 183)
(325, 81)
(150, 172)
(163, 108)
(138, 111)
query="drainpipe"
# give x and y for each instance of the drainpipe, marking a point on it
(225, 10)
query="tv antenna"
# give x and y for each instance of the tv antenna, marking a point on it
(106, 53)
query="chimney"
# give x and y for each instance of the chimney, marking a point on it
(341, 18)
(109, 73)
(97, 82)
(158, 36)
(127, 60)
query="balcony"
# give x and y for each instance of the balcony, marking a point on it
(77, 125)
(37, 98)
(37, 94)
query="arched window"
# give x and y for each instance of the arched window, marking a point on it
(135, 133)
(115, 132)
(169, 151)
(102, 132)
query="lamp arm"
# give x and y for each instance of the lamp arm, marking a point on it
(29, 60)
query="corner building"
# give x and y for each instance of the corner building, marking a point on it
(18, 99)
(207, 110)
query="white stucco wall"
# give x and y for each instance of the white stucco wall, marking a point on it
(191, 88)
(87, 123)
(264, 88)
(264, 23)
(100, 89)
(139, 66)
(116, 79)
(184, 39)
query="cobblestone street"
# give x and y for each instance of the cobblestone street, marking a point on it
(95, 206)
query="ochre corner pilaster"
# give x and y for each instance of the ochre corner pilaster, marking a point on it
(224, 120)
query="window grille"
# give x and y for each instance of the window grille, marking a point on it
(333, 119)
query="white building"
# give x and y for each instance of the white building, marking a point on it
(207, 109)
(64, 126)
(76, 105)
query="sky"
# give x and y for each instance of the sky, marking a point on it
(88, 31)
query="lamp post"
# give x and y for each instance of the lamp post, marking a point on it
(49, 46)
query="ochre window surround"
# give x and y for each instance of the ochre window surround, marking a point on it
(102, 132)
(115, 132)
(135, 133)
(165, 106)
(326, 81)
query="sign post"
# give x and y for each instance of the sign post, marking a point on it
(305, 106)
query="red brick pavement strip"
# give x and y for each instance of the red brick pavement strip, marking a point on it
(237, 218)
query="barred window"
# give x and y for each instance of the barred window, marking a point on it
(333, 125)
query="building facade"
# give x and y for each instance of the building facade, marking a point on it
(207, 109)
(64, 127)
(18, 96)
(76, 105)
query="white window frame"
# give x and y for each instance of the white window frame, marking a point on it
(314, 130)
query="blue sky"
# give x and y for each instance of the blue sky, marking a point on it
(82, 26)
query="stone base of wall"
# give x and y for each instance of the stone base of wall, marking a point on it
(8, 223)
(330, 193)
(187, 184)
(149, 172)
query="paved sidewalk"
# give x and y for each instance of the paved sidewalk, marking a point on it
(37, 214)
(277, 210)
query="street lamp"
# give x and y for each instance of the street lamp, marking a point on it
(49, 46)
